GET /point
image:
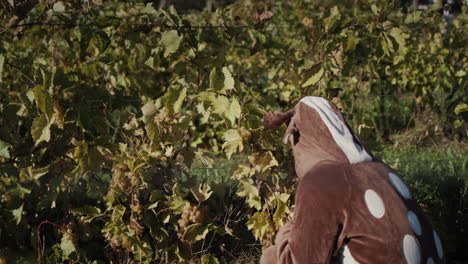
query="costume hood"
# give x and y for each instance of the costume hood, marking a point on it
(318, 131)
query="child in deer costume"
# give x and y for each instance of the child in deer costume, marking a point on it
(350, 207)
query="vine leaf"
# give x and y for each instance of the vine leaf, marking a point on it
(103, 40)
(313, 75)
(19, 191)
(170, 40)
(40, 129)
(43, 100)
(247, 190)
(178, 204)
(67, 246)
(59, 7)
(17, 214)
(233, 112)
(209, 259)
(196, 232)
(173, 100)
(242, 172)
(180, 99)
(202, 193)
(228, 80)
(4, 149)
(217, 80)
(34, 173)
(399, 37)
(460, 108)
(263, 161)
(233, 142)
(220, 104)
(88, 157)
(281, 203)
(88, 213)
(259, 224)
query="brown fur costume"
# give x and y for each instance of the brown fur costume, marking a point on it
(350, 207)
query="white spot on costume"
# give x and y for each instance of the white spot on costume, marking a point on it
(411, 250)
(438, 244)
(399, 185)
(414, 222)
(374, 203)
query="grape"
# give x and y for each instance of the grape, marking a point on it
(134, 179)
(135, 226)
(118, 177)
(115, 241)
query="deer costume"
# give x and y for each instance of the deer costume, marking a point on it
(350, 207)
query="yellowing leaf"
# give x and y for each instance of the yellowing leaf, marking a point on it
(180, 99)
(233, 112)
(280, 200)
(4, 149)
(17, 214)
(67, 246)
(255, 202)
(315, 74)
(170, 40)
(217, 80)
(205, 113)
(201, 193)
(220, 104)
(339, 57)
(461, 108)
(173, 99)
(43, 100)
(88, 157)
(34, 173)
(178, 204)
(102, 39)
(258, 222)
(87, 213)
(246, 189)
(59, 7)
(228, 79)
(209, 259)
(19, 191)
(263, 161)
(279, 213)
(148, 110)
(242, 172)
(232, 142)
(399, 37)
(40, 129)
(196, 232)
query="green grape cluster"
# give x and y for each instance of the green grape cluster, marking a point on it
(119, 177)
(134, 177)
(136, 226)
(194, 214)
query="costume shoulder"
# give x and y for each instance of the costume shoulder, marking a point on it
(327, 179)
(321, 204)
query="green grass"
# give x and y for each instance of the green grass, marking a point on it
(439, 181)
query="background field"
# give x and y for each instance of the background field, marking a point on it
(130, 133)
